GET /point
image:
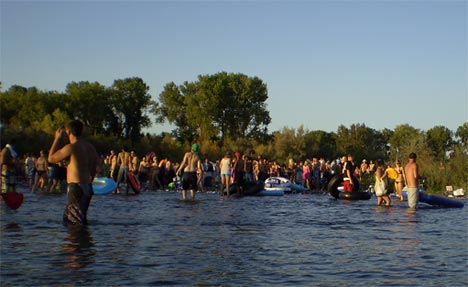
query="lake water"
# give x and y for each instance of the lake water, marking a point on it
(154, 239)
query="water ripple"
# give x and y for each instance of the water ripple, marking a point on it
(155, 239)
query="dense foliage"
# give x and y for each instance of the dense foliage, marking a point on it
(222, 112)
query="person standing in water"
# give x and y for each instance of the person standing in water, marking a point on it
(400, 180)
(191, 164)
(8, 158)
(81, 170)
(412, 176)
(381, 183)
(225, 170)
(123, 161)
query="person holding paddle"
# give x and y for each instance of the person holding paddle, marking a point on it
(81, 170)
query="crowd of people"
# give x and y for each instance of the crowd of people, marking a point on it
(219, 174)
(72, 163)
(160, 173)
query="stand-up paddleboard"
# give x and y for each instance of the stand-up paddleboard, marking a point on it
(13, 199)
(134, 182)
(103, 185)
(436, 200)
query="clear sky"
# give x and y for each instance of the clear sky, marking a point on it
(325, 63)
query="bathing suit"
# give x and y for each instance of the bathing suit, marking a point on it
(122, 175)
(226, 167)
(40, 172)
(79, 197)
(9, 180)
(413, 197)
(189, 180)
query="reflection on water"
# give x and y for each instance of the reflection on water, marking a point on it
(78, 247)
(295, 240)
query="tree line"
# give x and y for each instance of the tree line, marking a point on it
(222, 112)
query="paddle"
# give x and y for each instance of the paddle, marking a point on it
(13, 199)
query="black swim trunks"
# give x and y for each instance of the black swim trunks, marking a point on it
(189, 180)
(79, 197)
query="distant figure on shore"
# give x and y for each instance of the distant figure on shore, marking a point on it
(8, 157)
(412, 176)
(81, 170)
(191, 164)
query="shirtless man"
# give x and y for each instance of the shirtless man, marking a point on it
(411, 176)
(113, 165)
(123, 160)
(81, 170)
(42, 172)
(192, 164)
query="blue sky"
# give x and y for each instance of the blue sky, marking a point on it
(325, 63)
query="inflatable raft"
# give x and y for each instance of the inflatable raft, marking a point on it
(103, 185)
(273, 191)
(282, 182)
(436, 200)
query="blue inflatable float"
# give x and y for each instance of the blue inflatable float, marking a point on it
(103, 185)
(436, 200)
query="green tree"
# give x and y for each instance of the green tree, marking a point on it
(132, 103)
(405, 139)
(90, 102)
(23, 108)
(439, 140)
(289, 143)
(173, 108)
(320, 144)
(217, 107)
(361, 141)
(462, 134)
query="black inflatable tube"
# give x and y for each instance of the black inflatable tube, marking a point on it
(250, 188)
(355, 195)
(336, 181)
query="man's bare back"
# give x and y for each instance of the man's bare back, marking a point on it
(123, 159)
(411, 174)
